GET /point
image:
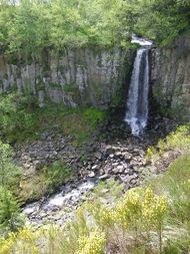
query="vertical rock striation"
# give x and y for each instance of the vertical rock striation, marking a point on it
(171, 77)
(87, 76)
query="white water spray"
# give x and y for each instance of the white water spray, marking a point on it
(137, 104)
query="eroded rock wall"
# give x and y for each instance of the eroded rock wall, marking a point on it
(171, 77)
(88, 76)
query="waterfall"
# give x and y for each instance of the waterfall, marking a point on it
(137, 104)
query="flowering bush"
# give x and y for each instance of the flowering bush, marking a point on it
(140, 205)
(92, 244)
(178, 140)
(154, 208)
(128, 209)
(138, 212)
(25, 241)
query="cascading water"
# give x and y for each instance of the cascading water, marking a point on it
(137, 105)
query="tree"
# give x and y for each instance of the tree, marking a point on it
(8, 170)
(10, 217)
(33, 25)
(162, 20)
(26, 30)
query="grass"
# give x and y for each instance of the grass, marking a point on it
(152, 219)
(175, 183)
(45, 181)
(22, 120)
(178, 140)
(84, 236)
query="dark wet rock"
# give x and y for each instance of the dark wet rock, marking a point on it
(116, 156)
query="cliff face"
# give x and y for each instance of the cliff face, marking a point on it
(76, 77)
(93, 76)
(171, 77)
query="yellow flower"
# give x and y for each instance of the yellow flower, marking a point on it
(92, 244)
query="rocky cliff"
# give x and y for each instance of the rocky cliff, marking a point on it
(88, 76)
(171, 77)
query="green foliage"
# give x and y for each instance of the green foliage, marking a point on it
(25, 32)
(46, 180)
(16, 117)
(81, 123)
(56, 174)
(82, 236)
(175, 183)
(9, 172)
(161, 20)
(32, 26)
(9, 181)
(94, 116)
(10, 218)
(178, 140)
(20, 116)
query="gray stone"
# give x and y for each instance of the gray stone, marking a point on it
(91, 174)
(103, 177)
(98, 155)
(171, 76)
(83, 76)
(94, 167)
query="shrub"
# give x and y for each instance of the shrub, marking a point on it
(45, 181)
(24, 241)
(139, 212)
(10, 218)
(94, 116)
(9, 172)
(178, 140)
(57, 173)
(92, 244)
(134, 221)
(16, 118)
(175, 182)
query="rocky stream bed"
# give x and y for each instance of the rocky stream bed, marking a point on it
(118, 156)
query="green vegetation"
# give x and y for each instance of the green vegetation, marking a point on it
(44, 181)
(10, 218)
(94, 116)
(153, 218)
(82, 237)
(20, 116)
(16, 189)
(33, 26)
(179, 141)
(176, 183)
(150, 219)
(17, 118)
(9, 173)
(14, 184)
(162, 20)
